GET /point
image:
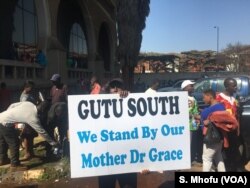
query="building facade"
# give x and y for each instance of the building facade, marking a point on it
(77, 37)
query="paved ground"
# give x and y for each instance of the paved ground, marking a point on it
(151, 180)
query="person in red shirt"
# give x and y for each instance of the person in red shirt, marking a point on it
(227, 97)
(95, 85)
(59, 91)
(233, 159)
(58, 94)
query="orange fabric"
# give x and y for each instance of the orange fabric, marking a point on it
(225, 122)
(96, 89)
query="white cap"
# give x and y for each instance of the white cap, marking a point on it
(186, 83)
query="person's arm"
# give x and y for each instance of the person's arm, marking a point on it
(204, 121)
(36, 125)
(65, 91)
(195, 109)
(51, 92)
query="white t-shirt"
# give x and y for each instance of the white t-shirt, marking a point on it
(150, 90)
(24, 112)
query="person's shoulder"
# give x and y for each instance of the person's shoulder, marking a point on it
(150, 90)
(221, 113)
(221, 96)
(205, 110)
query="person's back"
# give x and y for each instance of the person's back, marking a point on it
(58, 94)
(59, 90)
(24, 112)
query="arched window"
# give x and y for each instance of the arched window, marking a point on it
(78, 52)
(25, 30)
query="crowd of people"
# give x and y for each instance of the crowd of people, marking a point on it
(21, 122)
(222, 111)
(223, 114)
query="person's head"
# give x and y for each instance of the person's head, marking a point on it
(28, 86)
(188, 85)
(56, 79)
(115, 86)
(230, 85)
(209, 96)
(155, 84)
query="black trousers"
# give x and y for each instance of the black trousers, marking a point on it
(3, 149)
(48, 147)
(125, 180)
(9, 136)
(232, 156)
(196, 145)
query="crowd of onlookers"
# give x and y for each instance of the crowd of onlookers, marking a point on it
(22, 121)
(35, 114)
(222, 113)
(223, 155)
(38, 114)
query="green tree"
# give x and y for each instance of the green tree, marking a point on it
(237, 57)
(131, 18)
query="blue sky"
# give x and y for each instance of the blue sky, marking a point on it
(183, 25)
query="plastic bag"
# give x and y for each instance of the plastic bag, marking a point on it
(213, 135)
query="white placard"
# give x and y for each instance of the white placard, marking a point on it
(113, 135)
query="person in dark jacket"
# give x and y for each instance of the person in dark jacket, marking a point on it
(124, 180)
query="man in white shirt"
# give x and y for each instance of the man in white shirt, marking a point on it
(154, 86)
(21, 112)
